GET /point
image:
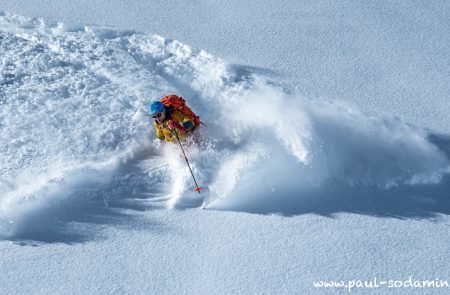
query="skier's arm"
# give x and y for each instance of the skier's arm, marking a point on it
(159, 133)
(185, 120)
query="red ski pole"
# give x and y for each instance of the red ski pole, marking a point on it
(197, 188)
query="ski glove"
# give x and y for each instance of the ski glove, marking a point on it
(176, 125)
(188, 125)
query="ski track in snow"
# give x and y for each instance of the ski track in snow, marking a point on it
(76, 139)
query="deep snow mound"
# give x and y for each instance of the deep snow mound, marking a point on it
(74, 102)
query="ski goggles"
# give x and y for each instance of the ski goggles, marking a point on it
(157, 115)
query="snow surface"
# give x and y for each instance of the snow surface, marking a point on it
(300, 187)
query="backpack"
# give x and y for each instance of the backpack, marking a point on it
(178, 103)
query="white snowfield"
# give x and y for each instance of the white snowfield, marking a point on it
(300, 190)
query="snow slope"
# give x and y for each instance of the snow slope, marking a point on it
(74, 104)
(81, 174)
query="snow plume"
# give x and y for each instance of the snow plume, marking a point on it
(73, 116)
(365, 150)
(286, 146)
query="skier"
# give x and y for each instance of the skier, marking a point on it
(174, 121)
(170, 119)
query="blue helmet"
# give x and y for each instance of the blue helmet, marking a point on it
(156, 107)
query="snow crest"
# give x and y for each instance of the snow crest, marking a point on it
(74, 125)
